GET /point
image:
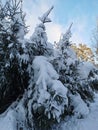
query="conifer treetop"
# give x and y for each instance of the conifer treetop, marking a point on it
(44, 18)
(69, 28)
(67, 35)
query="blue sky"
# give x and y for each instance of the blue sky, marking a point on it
(83, 14)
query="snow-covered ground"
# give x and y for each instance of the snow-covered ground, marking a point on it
(89, 123)
(13, 118)
(7, 120)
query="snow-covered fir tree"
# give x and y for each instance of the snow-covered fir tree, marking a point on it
(68, 66)
(47, 95)
(11, 45)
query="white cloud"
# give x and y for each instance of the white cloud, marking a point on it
(54, 31)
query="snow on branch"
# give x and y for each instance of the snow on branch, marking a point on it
(44, 18)
(45, 71)
(49, 94)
